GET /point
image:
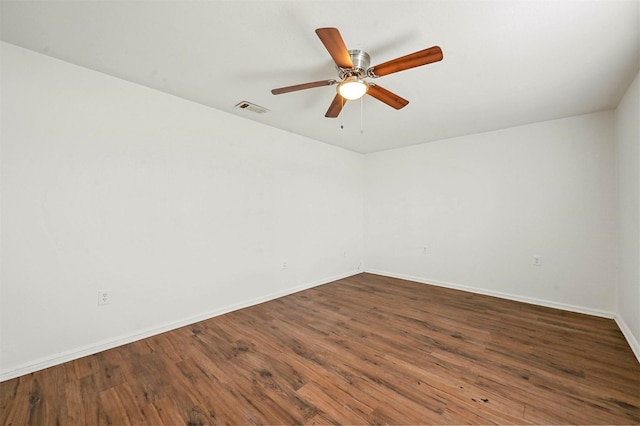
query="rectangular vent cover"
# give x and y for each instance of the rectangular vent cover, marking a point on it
(251, 107)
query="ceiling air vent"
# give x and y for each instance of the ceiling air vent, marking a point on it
(251, 107)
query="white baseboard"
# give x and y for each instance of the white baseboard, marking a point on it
(508, 296)
(80, 352)
(76, 353)
(631, 339)
(626, 331)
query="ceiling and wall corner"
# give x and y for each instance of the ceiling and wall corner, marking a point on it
(506, 62)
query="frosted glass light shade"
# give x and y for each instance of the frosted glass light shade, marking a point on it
(352, 88)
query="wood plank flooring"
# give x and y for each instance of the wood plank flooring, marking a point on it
(362, 350)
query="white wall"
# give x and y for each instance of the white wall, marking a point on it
(180, 210)
(184, 212)
(483, 205)
(627, 130)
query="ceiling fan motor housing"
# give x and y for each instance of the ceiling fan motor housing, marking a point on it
(361, 61)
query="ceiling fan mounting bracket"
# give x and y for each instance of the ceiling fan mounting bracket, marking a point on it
(371, 73)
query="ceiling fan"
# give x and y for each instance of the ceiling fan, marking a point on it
(353, 69)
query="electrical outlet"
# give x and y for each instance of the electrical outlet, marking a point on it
(104, 297)
(424, 250)
(537, 260)
(284, 264)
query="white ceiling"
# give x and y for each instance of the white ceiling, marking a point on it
(506, 62)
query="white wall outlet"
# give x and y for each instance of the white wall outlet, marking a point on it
(424, 250)
(104, 297)
(284, 264)
(537, 260)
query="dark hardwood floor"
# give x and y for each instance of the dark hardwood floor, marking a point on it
(362, 350)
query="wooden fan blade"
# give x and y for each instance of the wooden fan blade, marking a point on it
(303, 86)
(386, 96)
(336, 106)
(332, 40)
(416, 59)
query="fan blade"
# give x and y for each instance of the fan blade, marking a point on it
(336, 106)
(303, 86)
(416, 59)
(332, 40)
(386, 96)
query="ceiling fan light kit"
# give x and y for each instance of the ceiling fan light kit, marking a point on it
(353, 67)
(352, 88)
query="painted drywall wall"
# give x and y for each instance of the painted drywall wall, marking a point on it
(627, 135)
(179, 210)
(184, 212)
(472, 212)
